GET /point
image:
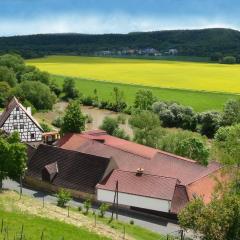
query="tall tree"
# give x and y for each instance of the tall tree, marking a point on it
(73, 120)
(13, 157)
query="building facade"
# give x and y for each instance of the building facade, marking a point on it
(17, 118)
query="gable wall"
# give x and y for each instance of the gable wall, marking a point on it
(29, 127)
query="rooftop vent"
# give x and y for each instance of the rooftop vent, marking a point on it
(139, 172)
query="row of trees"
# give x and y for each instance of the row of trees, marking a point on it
(32, 86)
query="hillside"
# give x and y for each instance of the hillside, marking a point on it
(54, 223)
(204, 42)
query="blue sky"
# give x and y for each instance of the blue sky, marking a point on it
(114, 16)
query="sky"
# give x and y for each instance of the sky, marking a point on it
(21, 17)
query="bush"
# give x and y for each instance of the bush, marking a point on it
(89, 118)
(63, 197)
(45, 127)
(109, 125)
(132, 222)
(175, 115)
(87, 101)
(120, 133)
(69, 88)
(102, 209)
(58, 122)
(121, 118)
(210, 123)
(229, 60)
(87, 205)
(80, 208)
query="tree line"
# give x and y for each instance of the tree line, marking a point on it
(203, 42)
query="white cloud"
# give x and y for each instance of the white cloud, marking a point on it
(91, 23)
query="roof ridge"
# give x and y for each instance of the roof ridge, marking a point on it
(119, 148)
(154, 175)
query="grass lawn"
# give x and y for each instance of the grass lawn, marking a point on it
(57, 224)
(200, 101)
(154, 73)
(33, 227)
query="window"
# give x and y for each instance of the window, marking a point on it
(21, 116)
(21, 126)
(17, 109)
(32, 135)
(15, 126)
(15, 117)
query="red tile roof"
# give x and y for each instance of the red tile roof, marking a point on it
(146, 185)
(129, 156)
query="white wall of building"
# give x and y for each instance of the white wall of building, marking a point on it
(134, 200)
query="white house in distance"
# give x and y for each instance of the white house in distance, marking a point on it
(17, 118)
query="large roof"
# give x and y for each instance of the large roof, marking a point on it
(10, 107)
(145, 185)
(129, 156)
(78, 171)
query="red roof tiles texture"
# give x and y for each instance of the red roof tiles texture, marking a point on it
(146, 185)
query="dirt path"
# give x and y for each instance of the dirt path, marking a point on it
(10, 201)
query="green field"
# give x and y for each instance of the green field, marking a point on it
(201, 85)
(200, 101)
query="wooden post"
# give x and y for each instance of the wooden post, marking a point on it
(20, 186)
(124, 232)
(42, 235)
(117, 200)
(181, 234)
(21, 238)
(2, 226)
(43, 201)
(68, 211)
(95, 220)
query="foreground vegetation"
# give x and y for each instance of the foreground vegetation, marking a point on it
(152, 73)
(37, 218)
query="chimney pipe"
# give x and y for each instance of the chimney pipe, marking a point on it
(139, 172)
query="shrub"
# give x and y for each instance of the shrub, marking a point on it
(87, 205)
(80, 208)
(229, 60)
(102, 209)
(121, 118)
(109, 125)
(63, 197)
(210, 123)
(89, 118)
(87, 101)
(120, 133)
(45, 127)
(132, 222)
(57, 122)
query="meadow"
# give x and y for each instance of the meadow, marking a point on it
(201, 85)
(153, 73)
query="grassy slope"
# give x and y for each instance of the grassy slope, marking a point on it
(154, 73)
(29, 211)
(33, 227)
(200, 101)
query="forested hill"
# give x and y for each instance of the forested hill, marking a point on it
(203, 42)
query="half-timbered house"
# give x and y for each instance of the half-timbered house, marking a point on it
(17, 118)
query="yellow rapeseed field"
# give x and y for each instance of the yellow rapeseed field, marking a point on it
(154, 73)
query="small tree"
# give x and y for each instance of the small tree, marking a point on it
(69, 88)
(87, 205)
(144, 99)
(73, 120)
(102, 209)
(231, 112)
(63, 197)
